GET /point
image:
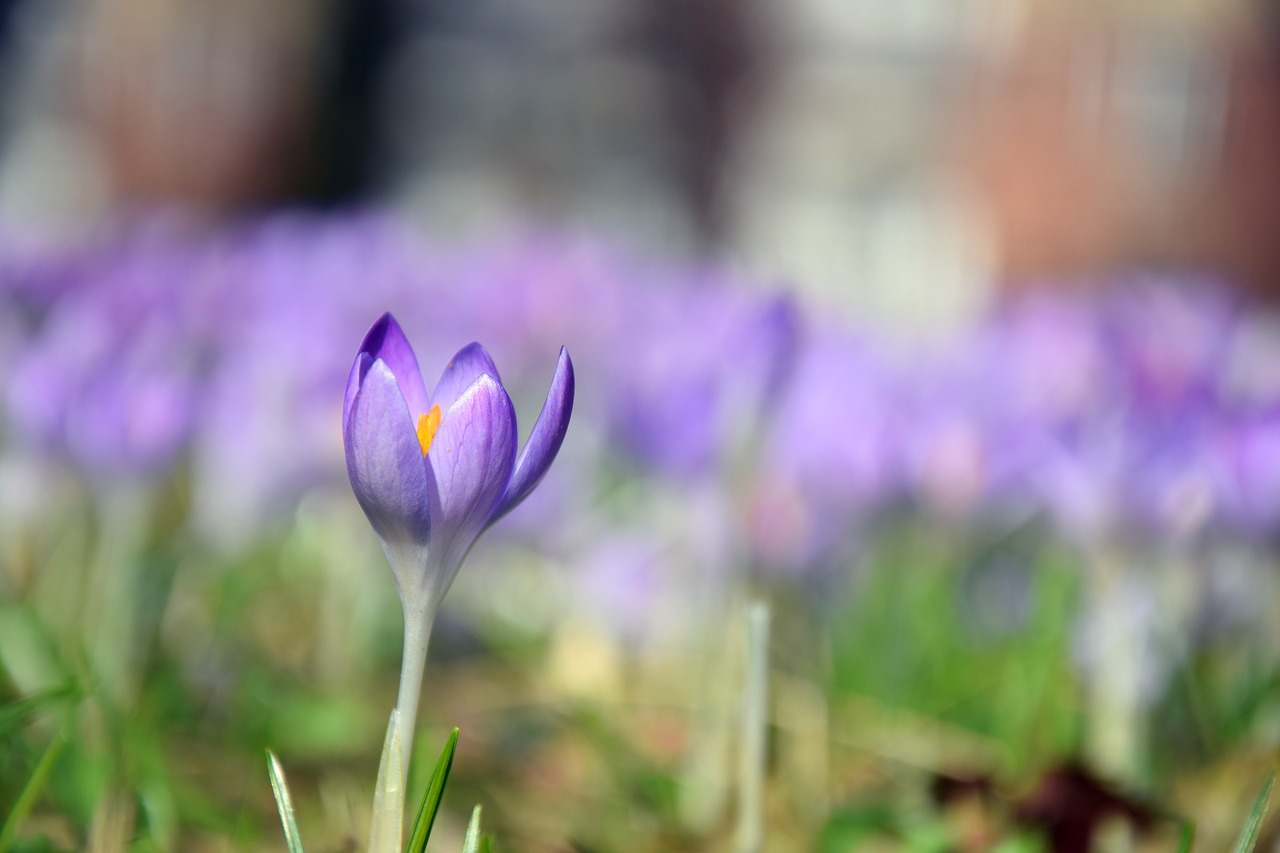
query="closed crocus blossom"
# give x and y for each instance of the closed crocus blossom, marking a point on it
(433, 471)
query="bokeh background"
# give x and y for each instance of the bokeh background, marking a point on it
(946, 329)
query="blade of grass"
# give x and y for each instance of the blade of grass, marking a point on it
(19, 711)
(471, 844)
(1186, 837)
(431, 799)
(27, 798)
(284, 802)
(1253, 826)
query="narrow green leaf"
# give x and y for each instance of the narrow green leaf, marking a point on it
(1187, 836)
(431, 799)
(1253, 826)
(471, 844)
(486, 844)
(18, 712)
(284, 802)
(27, 798)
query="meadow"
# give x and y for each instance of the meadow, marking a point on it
(789, 583)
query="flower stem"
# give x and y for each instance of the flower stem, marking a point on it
(755, 722)
(386, 832)
(417, 633)
(111, 630)
(1115, 735)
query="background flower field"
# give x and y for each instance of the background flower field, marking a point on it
(922, 485)
(1019, 578)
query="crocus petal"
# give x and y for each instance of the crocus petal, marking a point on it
(358, 370)
(471, 362)
(545, 440)
(384, 460)
(386, 340)
(473, 455)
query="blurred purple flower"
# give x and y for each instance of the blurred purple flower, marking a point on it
(285, 294)
(110, 376)
(621, 583)
(695, 373)
(1247, 457)
(833, 456)
(1169, 344)
(1145, 409)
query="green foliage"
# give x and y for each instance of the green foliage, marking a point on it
(17, 713)
(975, 634)
(1186, 837)
(431, 798)
(26, 799)
(919, 660)
(1253, 826)
(471, 844)
(1020, 843)
(852, 826)
(284, 802)
(13, 717)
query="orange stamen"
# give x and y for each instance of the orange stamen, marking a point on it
(428, 424)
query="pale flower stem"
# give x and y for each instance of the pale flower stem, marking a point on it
(755, 720)
(705, 780)
(386, 833)
(417, 633)
(1114, 736)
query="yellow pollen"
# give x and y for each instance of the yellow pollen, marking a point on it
(428, 424)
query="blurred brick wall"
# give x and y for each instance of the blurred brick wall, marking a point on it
(1102, 143)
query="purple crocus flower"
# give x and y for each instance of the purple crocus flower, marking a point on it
(429, 508)
(433, 472)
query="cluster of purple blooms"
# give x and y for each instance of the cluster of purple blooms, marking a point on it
(1147, 411)
(1150, 409)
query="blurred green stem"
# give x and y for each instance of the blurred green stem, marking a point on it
(110, 603)
(705, 781)
(110, 637)
(1114, 733)
(113, 822)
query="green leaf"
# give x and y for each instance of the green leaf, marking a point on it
(1187, 836)
(280, 788)
(27, 798)
(471, 844)
(431, 799)
(1021, 843)
(18, 712)
(1253, 826)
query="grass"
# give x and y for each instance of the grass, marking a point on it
(926, 694)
